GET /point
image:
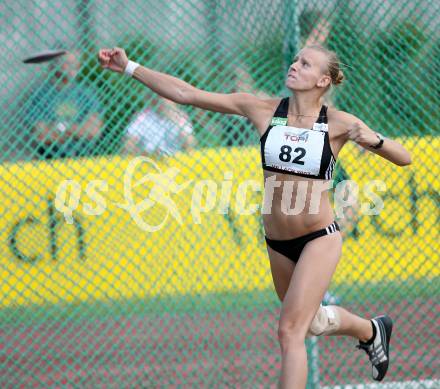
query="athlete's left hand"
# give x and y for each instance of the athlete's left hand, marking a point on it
(362, 135)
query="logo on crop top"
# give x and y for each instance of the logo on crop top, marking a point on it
(301, 137)
(323, 127)
(278, 122)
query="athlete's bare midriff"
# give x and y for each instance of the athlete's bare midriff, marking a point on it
(304, 208)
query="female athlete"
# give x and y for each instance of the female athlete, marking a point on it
(300, 142)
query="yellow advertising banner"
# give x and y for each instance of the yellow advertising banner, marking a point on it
(115, 228)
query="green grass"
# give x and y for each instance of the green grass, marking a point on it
(391, 291)
(214, 303)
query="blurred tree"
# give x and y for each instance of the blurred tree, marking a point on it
(409, 84)
(391, 79)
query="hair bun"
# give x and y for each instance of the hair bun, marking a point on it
(339, 78)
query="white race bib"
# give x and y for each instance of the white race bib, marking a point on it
(296, 150)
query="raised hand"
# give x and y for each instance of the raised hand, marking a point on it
(361, 135)
(114, 59)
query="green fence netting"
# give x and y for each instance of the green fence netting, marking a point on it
(123, 263)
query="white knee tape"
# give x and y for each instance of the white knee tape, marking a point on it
(325, 322)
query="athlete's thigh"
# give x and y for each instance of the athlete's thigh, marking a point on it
(312, 276)
(282, 269)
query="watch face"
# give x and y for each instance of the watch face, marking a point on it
(381, 139)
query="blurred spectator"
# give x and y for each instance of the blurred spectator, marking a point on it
(314, 27)
(64, 114)
(163, 131)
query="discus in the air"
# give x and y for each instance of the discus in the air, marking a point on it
(44, 56)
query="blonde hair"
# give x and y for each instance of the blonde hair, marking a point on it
(333, 63)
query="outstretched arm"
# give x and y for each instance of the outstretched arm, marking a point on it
(244, 104)
(357, 131)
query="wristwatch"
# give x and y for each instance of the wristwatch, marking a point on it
(381, 139)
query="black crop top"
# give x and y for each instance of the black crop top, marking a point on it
(298, 151)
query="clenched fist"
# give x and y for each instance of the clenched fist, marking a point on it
(114, 59)
(362, 135)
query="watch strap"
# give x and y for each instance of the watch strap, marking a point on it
(378, 145)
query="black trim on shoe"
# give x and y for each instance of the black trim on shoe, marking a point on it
(379, 353)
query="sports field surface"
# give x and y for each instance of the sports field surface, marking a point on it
(233, 344)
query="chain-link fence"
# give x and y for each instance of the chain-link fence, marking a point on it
(125, 289)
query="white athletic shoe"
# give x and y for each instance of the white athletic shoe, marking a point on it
(378, 351)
